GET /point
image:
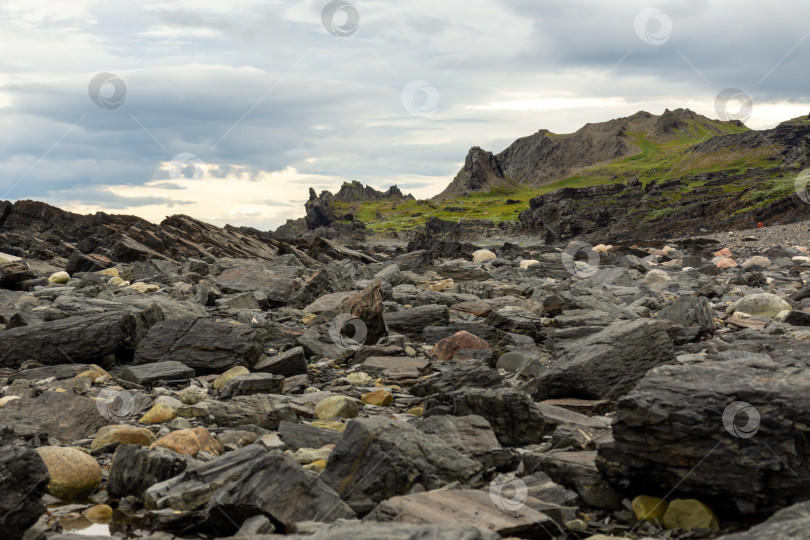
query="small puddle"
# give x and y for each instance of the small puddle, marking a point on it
(72, 519)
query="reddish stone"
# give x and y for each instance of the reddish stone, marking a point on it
(448, 347)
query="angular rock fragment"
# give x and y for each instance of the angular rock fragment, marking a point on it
(694, 314)
(134, 469)
(289, 363)
(791, 523)
(377, 458)
(193, 488)
(456, 376)
(513, 416)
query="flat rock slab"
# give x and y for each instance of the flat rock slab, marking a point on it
(377, 364)
(263, 410)
(206, 345)
(253, 383)
(412, 322)
(59, 415)
(306, 436)
(391, 531)
(149, 374)
(237, 280)
(468, 507)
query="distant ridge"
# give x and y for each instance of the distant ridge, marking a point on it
(545, 157)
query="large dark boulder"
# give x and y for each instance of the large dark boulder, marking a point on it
(205, 345)
(85, 338)
(606, 364)
(729, 432)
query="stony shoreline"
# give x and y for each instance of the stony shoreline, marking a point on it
(317, 391)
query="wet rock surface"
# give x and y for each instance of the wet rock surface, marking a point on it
(254, 386)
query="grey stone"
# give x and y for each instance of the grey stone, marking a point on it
(377, 458)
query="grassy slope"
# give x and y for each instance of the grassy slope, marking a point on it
(656, 162)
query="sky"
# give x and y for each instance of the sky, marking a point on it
(230, 111)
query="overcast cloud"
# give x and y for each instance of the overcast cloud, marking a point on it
(229, 111)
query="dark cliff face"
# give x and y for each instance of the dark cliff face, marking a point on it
(321, 215)
(481, 172)
(630, 212)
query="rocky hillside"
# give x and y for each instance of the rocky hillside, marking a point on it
(546, 157)
(79, 243)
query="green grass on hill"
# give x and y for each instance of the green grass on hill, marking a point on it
(655, 162)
